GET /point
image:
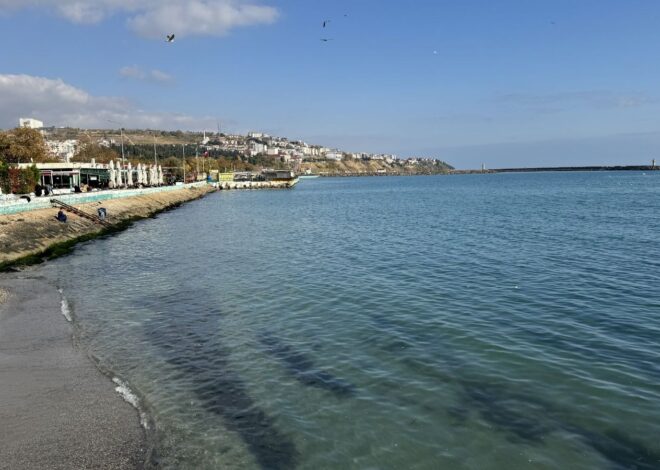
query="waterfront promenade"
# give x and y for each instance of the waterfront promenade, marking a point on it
(29, 235)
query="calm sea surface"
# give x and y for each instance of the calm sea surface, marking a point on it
(460, 322)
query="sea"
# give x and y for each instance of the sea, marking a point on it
(486, 321)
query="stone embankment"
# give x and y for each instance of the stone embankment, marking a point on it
(29, 237)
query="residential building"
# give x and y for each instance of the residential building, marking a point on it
(31, 123)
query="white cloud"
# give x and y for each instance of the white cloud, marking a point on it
(156, 18)
(60, 104)
(137, 73)
(160, 76)
(132, 72)
(199, 17)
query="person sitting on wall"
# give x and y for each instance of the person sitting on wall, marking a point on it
(61, 216)
(38, 190)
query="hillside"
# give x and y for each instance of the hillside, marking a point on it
(237, 152)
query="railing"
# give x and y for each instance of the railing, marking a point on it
(80, 213)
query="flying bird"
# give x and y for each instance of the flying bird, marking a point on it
(170, 38)
(325, 23)
(326, 39)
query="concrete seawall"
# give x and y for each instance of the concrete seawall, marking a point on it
(27, 236)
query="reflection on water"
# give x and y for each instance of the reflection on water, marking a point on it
(482, 321)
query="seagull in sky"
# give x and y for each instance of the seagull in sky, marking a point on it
(325, 23)
(326, 39)
(170, 38)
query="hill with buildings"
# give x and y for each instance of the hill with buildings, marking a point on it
(230, 151)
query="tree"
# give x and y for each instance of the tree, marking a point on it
(23, 145)
(87, 150)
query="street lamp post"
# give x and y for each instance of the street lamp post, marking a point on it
(183, 153)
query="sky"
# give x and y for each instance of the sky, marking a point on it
(503, 83)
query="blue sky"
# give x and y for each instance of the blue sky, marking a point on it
(504, 83)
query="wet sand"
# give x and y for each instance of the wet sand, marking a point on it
(57, 410)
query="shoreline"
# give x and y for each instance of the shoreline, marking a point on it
(58, 410)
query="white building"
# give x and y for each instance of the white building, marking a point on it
(334, 155)
(257, 148)
(63, 149)
(31, 123)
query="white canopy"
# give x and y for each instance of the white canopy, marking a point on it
(111, 174)
(129, 175)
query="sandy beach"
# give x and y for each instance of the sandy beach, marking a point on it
(57, 410)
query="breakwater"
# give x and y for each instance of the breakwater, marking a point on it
(561, 168)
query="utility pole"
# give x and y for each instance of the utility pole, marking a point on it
(155, 157)
(121, 176)
(183, 152)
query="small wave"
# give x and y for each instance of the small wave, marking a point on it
(127, 394)
(66, 311)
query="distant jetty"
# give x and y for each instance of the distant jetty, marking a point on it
(561, 168)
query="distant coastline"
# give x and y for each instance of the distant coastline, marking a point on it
(561, 168)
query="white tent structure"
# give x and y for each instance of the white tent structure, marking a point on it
(129, 175)
(118, 178)
(161, 180)
(138, 170)
(111, 174)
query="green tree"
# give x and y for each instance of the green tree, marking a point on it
(4, 177)
(23, 145)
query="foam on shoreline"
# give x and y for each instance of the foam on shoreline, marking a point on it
(47, 422)
(127, 394)
(64, 306)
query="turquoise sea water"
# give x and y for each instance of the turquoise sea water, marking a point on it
(459, 322)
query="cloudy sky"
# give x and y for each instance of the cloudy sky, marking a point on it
(504, 83)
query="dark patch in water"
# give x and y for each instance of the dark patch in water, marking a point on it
(503, 412)
(525, 418)
(621, 451)
(204, 365)
(504, 409)
(302, 368)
